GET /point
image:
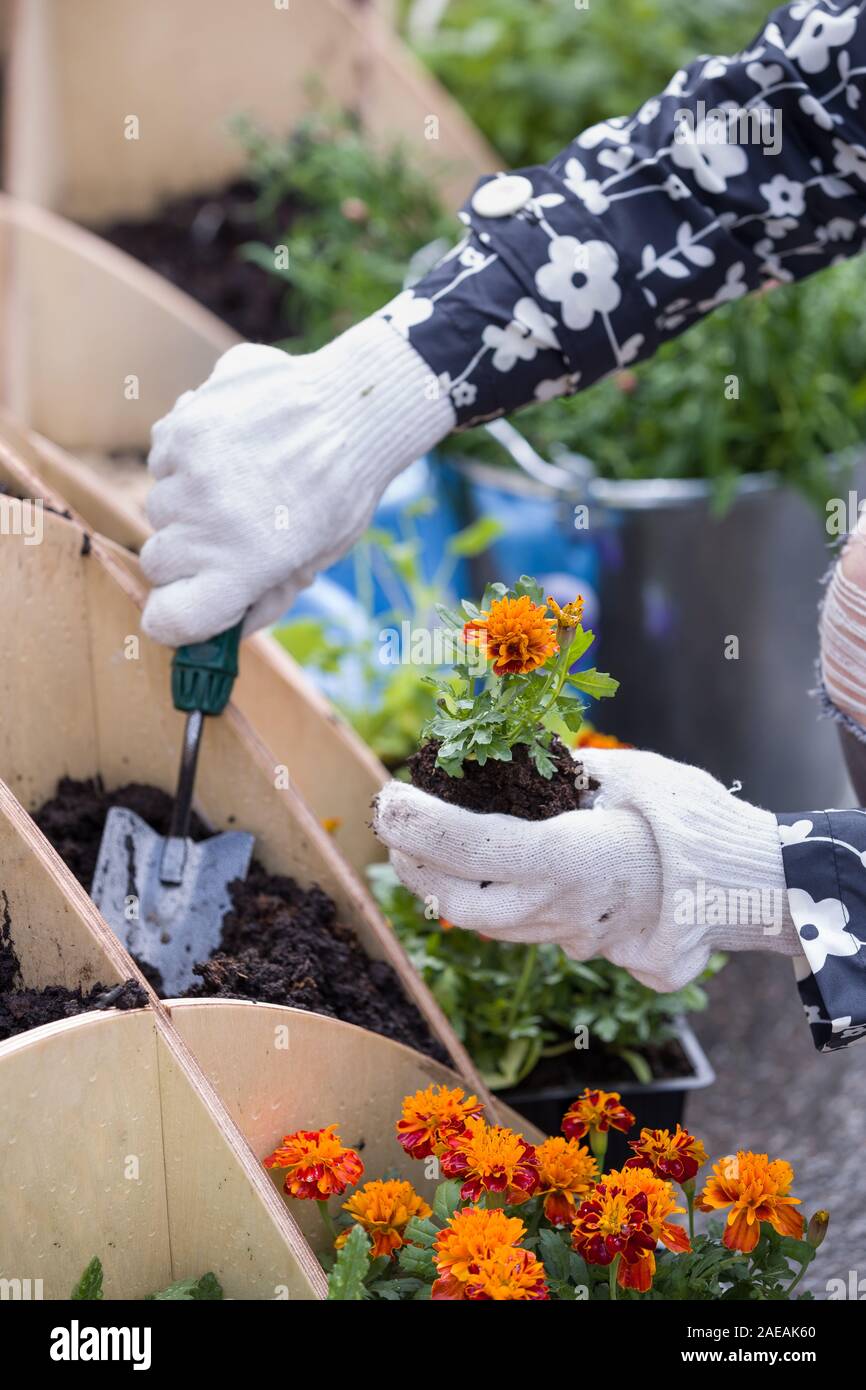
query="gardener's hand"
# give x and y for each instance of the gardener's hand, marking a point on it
(665, 868)
(270, 470)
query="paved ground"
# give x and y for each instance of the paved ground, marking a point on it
(776, 1094)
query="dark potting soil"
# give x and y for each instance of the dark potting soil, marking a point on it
(195, 243)
(22, 1009)
(600, 1067)
(281, 944)
(515, 788)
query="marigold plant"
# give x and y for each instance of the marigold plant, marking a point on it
(430, 1118)
(527, 649)
(756, 1189)
(384, 1210)
(518, 1222)
(316, 1164)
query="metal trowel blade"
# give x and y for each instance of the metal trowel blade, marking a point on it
(170, 926)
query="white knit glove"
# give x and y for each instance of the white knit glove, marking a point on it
(843, 631)
(666, 867)
(269, 471)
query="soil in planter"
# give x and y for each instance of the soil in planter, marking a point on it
(281, 944)
(601, 1067)
(195, 242)
(515, 788)
(23, 1009)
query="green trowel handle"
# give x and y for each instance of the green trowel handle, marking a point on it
(202, 675)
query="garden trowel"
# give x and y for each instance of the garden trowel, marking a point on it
(166, 896)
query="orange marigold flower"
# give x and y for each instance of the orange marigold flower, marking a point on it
(615, 1222)
(596, 1111)
(318, 1165)
(471, 1237)
(676, 1157)
(756, 1190)
(591, 738)
(661, 1204)
(570, 614)
(430, 1118)
(384, 1209)
(490, 1158)
(566, 1169)
(515, 634)
(509, 1274)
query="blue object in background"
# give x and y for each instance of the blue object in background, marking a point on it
(538, 538)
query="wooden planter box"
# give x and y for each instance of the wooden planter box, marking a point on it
(58, 283)
(84, 693)
(114, 1143)
(77, 71)
(139, 1136)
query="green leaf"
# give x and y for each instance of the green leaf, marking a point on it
(542, 759)
(580, 643)
(89, 1286)
(446, 1201)
(598, 684)
(530, 587)
(571, 715)
(491, 593)
(346, 1280)
(476, 538)
(554, 1254)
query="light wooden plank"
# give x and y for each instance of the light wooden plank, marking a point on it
(78, 71)
(81, 1155)
(57, 933)
(223, 1213)
(140, 341)
(278, 1070)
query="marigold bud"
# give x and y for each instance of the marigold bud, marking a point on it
(817, 1228)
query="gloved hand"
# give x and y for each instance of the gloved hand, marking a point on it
(843, 631)
(666, 867)
(269, 471)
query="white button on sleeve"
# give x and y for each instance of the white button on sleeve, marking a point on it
(502, 197)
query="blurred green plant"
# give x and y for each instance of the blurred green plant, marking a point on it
(512, 1005)
(398, 698)
(352, 215)
(798, 353)
(533, 73)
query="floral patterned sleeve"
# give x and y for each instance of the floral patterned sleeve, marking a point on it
(824, 858)
(744, 170)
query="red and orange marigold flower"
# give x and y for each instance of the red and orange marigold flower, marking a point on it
(431, 1118)
(661, 1205)
(596, 1112)
(566, 1172)
(509, 1274)
(516, 635)
(489, 1158)
(384, 1209)
(614, 1222)
(317, 1165)
(676, 1157)
(478, 1257)
(756, 1189)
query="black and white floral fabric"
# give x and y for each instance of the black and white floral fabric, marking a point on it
(824, 855)
(645, 223)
